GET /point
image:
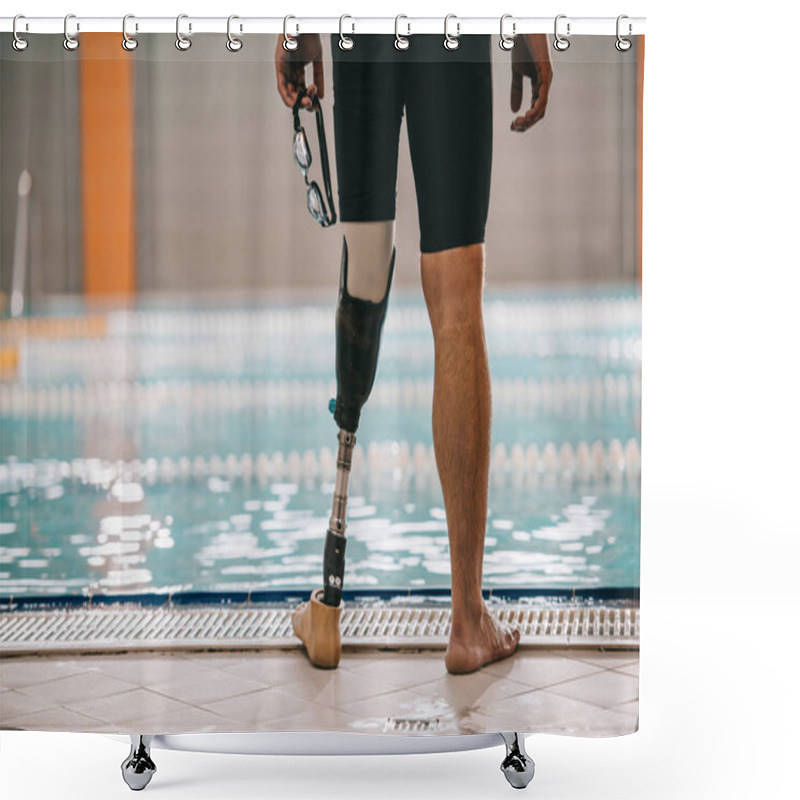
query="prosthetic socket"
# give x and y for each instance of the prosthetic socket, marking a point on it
(358, 333)
(358, 337)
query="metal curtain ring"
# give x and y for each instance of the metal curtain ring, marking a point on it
(345, 42)
(181, 42)
(623, 45)
(560, 43)
(17, 42)
(233, 44)
(507, 42)
(289, 42)
(451, 42)
(128, 42)
(70, 42)
(401, 42)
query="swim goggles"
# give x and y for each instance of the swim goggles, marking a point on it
(302, 156)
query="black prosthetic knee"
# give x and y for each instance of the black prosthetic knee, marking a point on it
(358, 336)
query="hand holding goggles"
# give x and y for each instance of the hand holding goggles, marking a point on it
(302, 155)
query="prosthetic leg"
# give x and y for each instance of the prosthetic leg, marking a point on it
(358, 331)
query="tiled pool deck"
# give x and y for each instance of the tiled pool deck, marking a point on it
(579, 691)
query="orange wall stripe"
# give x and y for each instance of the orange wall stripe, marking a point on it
(106, 96)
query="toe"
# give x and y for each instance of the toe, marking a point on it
(511, 640)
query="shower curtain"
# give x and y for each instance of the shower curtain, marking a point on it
(321, 409)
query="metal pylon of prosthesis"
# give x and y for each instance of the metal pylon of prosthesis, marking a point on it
(335, 541)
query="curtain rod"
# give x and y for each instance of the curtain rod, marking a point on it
(567, 26)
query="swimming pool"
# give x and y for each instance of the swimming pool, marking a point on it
(190, 448)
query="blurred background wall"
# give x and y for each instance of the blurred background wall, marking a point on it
(39, 130)
(220, 203)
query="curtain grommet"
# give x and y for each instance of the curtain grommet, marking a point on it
(451, 42)
(289, 42)
(18, 43)
(561, 43)
(401, 42)
(128, 42)
(233, 44)
(506, 41)
(622, 44)
(183, 43)
(345, 42)
(70, 42)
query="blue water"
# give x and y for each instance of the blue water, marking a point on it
(557, 359)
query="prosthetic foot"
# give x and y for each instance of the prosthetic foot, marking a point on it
(358, 330)
(317, 627)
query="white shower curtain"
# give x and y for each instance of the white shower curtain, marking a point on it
(183, 347)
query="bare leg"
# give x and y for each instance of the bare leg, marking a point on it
(452, 281)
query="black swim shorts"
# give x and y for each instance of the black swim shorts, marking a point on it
(447, 98)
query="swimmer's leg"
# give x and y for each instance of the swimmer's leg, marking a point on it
(452, 282)
(368, 257)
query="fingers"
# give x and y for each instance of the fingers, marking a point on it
(527, 120)
(534, 113)
(282, 73)
(516, 90)
(530, 118)
(291, 79)
(291, 73)
(287, 93)
(539, 105)
(532, 59)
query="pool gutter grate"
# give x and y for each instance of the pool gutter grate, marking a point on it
(116, 629)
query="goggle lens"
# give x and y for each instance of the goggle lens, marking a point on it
(314, 202)
(302, 153)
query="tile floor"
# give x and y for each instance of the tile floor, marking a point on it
(586, 692)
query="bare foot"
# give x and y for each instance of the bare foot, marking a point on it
(317, 627)
(474, 644)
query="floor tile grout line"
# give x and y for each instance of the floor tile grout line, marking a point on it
(525, 691)
(50, 710)
(119, 694)
(54, 679)
(369, 697)
(559, 682)
(595, 675)
(592, 702)
(133, 686)
(526, 688)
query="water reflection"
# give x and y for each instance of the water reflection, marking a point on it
(211, 533)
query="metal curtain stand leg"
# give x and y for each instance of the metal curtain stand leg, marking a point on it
(517, 766)
(138, 768)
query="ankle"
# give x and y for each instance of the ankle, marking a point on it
(467, 613)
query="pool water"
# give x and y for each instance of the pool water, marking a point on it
(193, 449)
